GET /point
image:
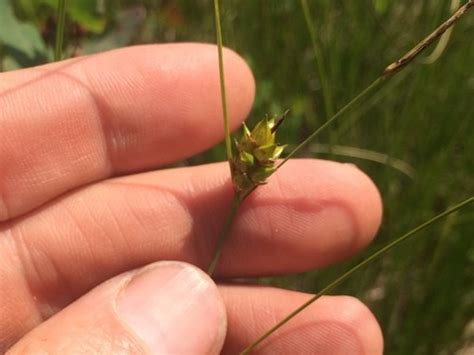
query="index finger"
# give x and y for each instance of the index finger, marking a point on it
(67, 124)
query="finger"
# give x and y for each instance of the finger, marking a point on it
(166, 308)
(332, 325)
(67, 124)
(311, 213)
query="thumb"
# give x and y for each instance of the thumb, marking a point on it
(164, 308)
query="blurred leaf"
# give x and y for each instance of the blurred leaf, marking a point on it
(21, 41)
(84, 12)
(28, 7)
(380, 6)
(129, 21)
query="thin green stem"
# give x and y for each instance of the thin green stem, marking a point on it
(390, 71)
(217, 18)
(365, 154)
(338, 114)
(398, 65)
(58, 48)
(443, 40)
(356, 268)
(326, 92)
(236, 201)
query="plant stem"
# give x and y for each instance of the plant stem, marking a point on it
(443, 41)
(217, 18)
(427, 41)
(236, 201)
(388, 73)
(366, 154)
(347, 274)
(61, 14)
(339, 113)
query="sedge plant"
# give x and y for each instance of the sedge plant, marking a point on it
(255, 155)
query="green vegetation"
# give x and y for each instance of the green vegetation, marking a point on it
(422, 292)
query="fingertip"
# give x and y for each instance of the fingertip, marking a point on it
(170, 300)
(311, 213)
(116, 112)
(331, 325)
(356, 315)
(166, 307)
(241, 84)
(173, 90)
(329, 184)
(366, 203)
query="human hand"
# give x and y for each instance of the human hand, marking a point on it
(84, 231)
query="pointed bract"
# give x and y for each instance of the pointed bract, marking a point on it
(256, 156)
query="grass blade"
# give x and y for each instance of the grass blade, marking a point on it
(365, 154)
(395, 67)
(223, 234)
(61, 14)
(443, 41)
(338, 114)
(388, 73)
(217, 18)
(356, 268)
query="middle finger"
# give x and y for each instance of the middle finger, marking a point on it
(311, 213)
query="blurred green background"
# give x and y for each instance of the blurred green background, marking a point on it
(414, 137)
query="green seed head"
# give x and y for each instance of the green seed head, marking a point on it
(256, 155)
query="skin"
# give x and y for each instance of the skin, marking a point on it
(86, 219)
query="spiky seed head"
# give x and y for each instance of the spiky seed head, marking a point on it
(256, 155)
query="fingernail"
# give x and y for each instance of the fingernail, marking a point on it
(174, 307)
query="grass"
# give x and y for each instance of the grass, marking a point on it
(422, 292)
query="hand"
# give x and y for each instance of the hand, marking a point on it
(84, 232)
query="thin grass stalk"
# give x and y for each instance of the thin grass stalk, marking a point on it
(235, 199)
(389, 72)
(338, 114)
(223, 234)
(217, 18)
(365, 154)
(395, 67)
(356, 268)
(443, 41)
(61, 14)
